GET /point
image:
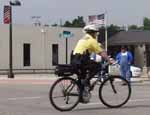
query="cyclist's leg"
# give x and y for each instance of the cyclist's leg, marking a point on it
(93, 68)
(81, 83)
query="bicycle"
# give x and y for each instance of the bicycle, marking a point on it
(65, 93)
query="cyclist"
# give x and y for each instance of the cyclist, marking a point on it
(81, 54)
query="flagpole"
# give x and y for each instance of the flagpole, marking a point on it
(95, 19)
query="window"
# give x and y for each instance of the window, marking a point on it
(26, 54)
(54, 54)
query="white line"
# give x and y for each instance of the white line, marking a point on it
(24, 98)
(89, 104)
(138, 100)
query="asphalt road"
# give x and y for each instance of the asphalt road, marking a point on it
(28, 98)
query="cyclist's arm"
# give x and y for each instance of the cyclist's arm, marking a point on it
(95, 46)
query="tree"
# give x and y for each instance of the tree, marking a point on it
(54, 25)
(146, 23)
(77, 22)
(67, 24)
(111, 30)
(133, 27)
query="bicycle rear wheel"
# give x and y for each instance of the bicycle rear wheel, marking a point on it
(64, 94)
(114, 92)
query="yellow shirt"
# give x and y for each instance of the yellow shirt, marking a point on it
(87, 43)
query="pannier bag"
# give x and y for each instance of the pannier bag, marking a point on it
(64, 70)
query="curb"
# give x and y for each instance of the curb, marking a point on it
(140, 80)
(30, 77)
(54, 77)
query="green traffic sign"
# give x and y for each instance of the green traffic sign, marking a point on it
(66, 34)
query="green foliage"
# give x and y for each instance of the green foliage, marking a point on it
(146, 23)
(54, 25)
(111, 30)
(133, 27)
(77, 22)
(68, 24)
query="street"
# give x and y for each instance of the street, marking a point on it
(31, 98)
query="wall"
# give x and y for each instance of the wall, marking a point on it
(41, 40)
(4, 46)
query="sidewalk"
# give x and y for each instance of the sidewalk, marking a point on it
(54, 77)
(30, 76)
(28, 79)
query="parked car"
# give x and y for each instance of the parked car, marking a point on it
(114, 70)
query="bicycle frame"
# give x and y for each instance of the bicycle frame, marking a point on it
(67, 88)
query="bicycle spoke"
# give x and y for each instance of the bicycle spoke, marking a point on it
(113, 94)
(64, 94)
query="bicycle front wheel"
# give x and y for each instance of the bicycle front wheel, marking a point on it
(64, 94)
(114, 92)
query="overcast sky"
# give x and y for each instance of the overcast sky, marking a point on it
(119, 12)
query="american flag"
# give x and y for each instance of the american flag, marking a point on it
(7, 14)
(92, 18)
(97, 19)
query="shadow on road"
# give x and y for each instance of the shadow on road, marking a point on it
(104, 108)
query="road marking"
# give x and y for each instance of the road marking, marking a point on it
(138, 100)
(89, 104)
(24, 98)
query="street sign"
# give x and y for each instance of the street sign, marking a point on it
(66, 34)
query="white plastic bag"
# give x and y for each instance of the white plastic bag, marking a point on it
(114, 69)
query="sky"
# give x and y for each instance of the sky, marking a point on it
(118, 12)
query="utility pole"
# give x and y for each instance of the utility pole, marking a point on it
(11, 3)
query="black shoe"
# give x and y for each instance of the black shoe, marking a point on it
(82, 101)
(124, 83)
